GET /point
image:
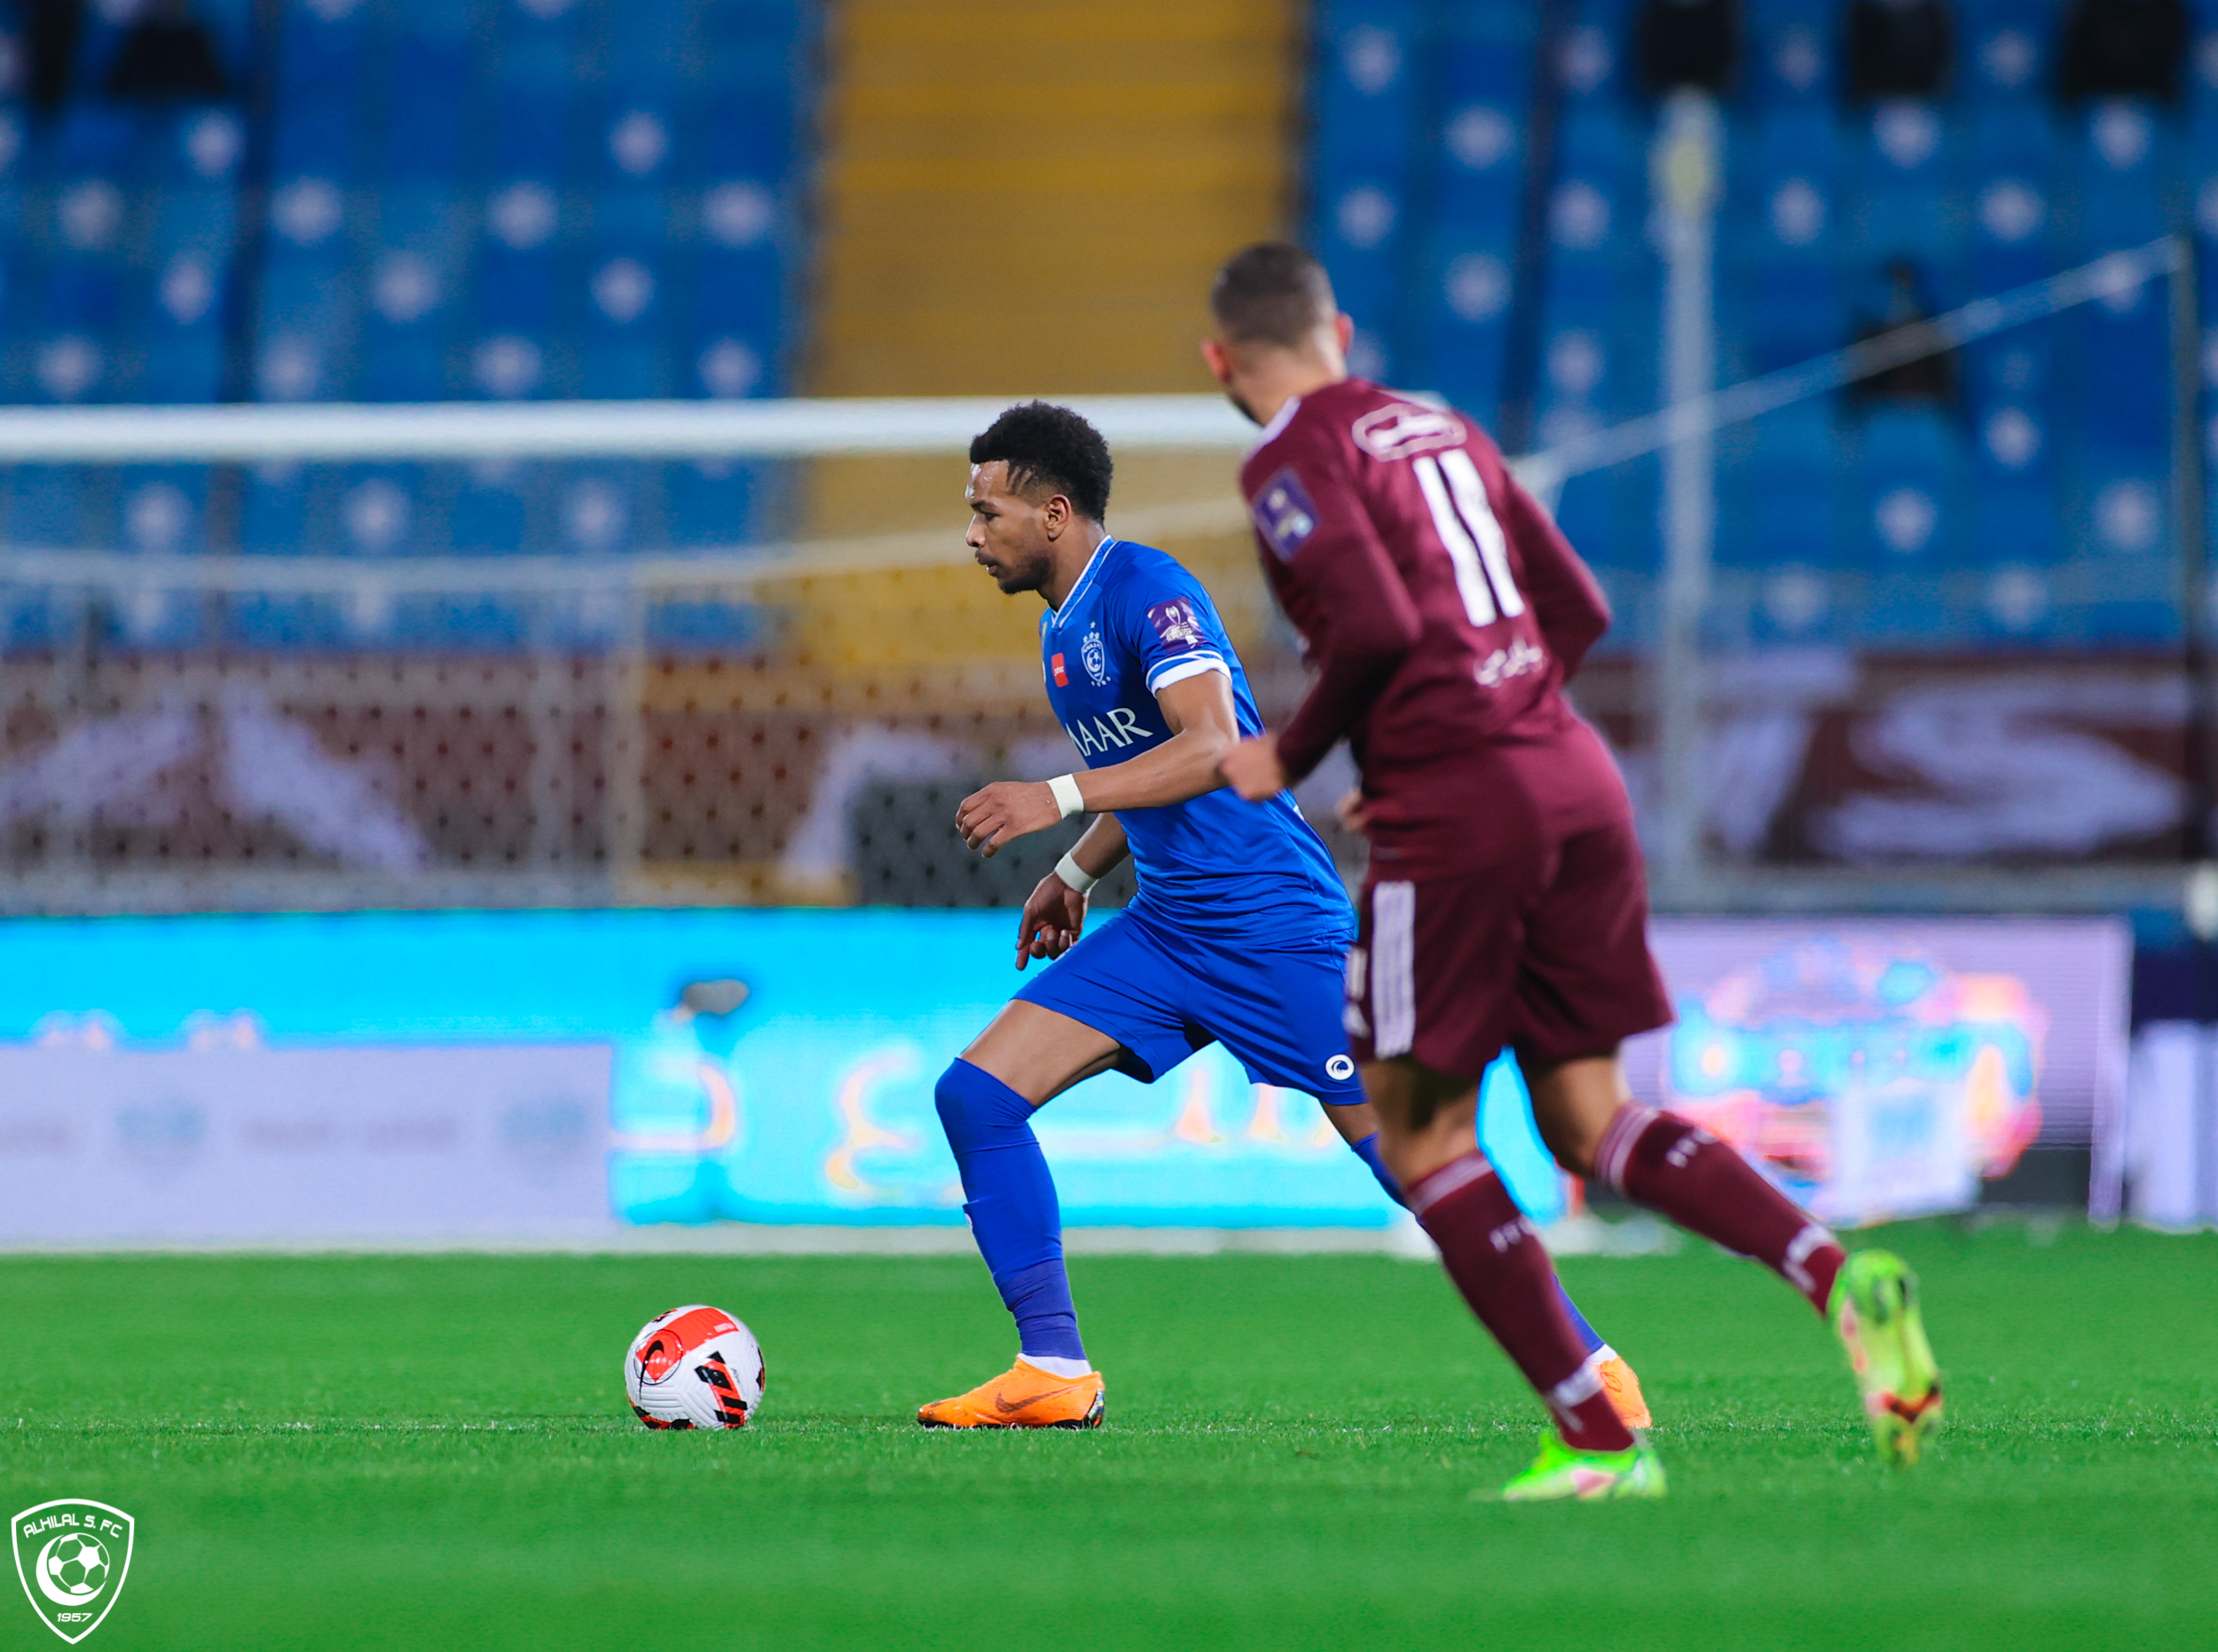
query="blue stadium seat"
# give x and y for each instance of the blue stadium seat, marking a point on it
(489, 508)
(515, 291)
(83, 296)
(527, 125)
(1460, 346)
(401, 364)
(182, 365)
(321, 48)
(1478, 178)
(98, 137)
(537, 57)
(2120, 161)
(44, 505)
(702, 624)
(194, 147)
(602, 508)
(1362, 177)
(746, 128)
(1911, 476)
(1790, 53)
(1364, 50)
(716, 503)
(1791, 518)
(160, 509)
(1906, 165)
(2015, 525)
(401, 263)
(273, 515)
(426, 119)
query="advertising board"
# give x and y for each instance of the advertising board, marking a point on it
(549, 1075)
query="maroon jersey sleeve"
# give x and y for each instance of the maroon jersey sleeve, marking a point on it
(1342, 588)
(1570, 608)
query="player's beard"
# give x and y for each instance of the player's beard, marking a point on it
(1016, 578)
(1247, 413)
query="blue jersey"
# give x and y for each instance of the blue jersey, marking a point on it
(1211, 867)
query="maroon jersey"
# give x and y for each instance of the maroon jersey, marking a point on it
(1442, 610)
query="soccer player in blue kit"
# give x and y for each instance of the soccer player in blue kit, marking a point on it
(1240, 932)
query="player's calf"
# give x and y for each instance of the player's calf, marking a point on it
(1503, 1271)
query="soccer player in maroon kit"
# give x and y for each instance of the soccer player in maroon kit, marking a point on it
(1506, 905)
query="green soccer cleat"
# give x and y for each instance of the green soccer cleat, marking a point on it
(1559, 1473)
(1875, 1311)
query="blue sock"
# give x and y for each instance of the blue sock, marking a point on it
(1011, 1203)
(1367, 1150)
(1589, 1339)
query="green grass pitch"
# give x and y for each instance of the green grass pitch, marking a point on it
(434, 1451)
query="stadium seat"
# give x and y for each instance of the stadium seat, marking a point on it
(1789, 57)
(44, 505)
(1366, 138)
(488, 509)
(719, 503)
(1911, 476)
(426, 130)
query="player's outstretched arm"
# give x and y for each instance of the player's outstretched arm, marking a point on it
(1203, 727)
(1055, 915)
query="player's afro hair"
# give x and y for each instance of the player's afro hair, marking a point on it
(1273, 292)
(1051, 448)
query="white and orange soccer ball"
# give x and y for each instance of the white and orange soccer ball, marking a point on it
(694, 1367)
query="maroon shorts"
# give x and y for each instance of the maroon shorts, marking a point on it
(1545, 951)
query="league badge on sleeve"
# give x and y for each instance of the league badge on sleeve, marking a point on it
(1283, 514)
(1175, 623)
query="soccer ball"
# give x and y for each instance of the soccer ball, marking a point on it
(695, 1368)
(78, 1566)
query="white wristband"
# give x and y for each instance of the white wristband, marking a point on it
(1077, 877)
(1068, 797)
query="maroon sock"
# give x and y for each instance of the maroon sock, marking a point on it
(1499, 1264)
(1663, 1161)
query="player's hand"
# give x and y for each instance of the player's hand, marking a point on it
(1352, 812)
(1252, 768)
(1052, 918)
(1006, 809)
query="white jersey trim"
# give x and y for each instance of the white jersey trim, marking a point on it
(1277, 428)
(1078, 586)
(1179, 670)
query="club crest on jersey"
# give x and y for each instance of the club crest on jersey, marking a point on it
(1095, 656)
(1283, 514)
(1403, 430)
(1175, 623)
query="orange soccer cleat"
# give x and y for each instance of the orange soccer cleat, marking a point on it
(1624, 1389)
(1023, 1397)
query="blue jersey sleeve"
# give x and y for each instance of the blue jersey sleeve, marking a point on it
(1168, 621)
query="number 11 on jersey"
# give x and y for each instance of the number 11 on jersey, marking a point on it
(1473, 539)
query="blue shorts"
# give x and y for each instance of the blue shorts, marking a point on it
(1279, 1012)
